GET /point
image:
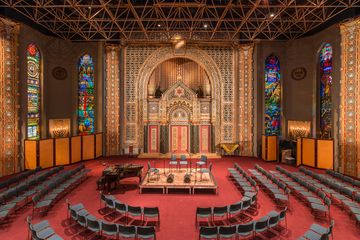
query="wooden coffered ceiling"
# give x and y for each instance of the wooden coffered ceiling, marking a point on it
(195, 20)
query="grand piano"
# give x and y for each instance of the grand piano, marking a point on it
(112, 175)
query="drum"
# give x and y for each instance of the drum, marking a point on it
(170, 178)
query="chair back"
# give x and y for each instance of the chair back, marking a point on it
(273, 220)
(183, 158)
(327, 201)
(109, 228)
(261, 224)
(218, 211)
(203, 158)
(282, 214)
(245, 229)
(134, 210)
(120, 207)
(127, 230)
(208, 232)
(93, 225)
(145, 231)
(227, 231)
(203, 211)
(151, 211)
(173, 158)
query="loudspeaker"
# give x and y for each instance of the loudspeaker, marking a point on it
(187, 178)
(170, 178)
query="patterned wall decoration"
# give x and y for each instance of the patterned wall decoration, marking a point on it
(86, 95)
(219, 64)
(272, 96)
(112, 99)
(325, 91)
(9, 105)
(246, 100)
(223, 57)
(135, 56)
(34, 73)
(195, 54)
(350, 98)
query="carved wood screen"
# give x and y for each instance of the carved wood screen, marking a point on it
(9, 106)
(350, 98)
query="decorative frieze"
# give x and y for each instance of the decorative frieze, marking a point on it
(9, 106)
(350, 98)
(246, 100)
(112, 99)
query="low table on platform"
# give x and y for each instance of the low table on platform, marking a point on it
(198, 181)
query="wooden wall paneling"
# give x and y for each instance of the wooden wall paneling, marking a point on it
(62, 151)
(46, 153)
(88, 149)
(325, 154)
(309, 152)
(75, 149)
(31, 151)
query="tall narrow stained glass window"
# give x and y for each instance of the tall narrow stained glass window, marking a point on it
(325, 91)
(33, 91)
(272, 96)
(86, 98)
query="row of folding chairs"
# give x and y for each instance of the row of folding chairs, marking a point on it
(19, 177)
(345, 197)
(58, 187)
(318, 232)
(308, 193)
(42, 230)
(100, 227)
(267, 224)
(129, 211)
(275, 188)
(344, 178)
(245, 209)
(15, 191)
(242, 179)
(337, 189)
(20, 195)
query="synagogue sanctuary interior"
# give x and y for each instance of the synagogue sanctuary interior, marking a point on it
(179, 119)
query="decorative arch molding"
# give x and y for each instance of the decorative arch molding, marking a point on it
(195, 54)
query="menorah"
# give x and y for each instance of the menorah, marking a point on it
(297, 129)
(60, 132)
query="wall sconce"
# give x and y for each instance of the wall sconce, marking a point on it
(59, 128)
(297, 129)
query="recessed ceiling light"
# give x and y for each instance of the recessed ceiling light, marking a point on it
(272, 15)
(159, 25)
(206, 25)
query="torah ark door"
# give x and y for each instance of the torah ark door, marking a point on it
(179, 139)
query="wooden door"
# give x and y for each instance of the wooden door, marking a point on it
(179, 139)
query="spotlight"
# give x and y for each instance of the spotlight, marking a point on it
(159, 25)
(272, 15)
(205, 25)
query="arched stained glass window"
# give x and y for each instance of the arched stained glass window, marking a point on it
(33, 91)
(325, 91)
(272, 96)
(86, 98)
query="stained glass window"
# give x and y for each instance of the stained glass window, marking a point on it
(272, 96)
(33, 91)
(325, 91)
(86, 96)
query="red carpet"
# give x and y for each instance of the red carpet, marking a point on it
(177, 210)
